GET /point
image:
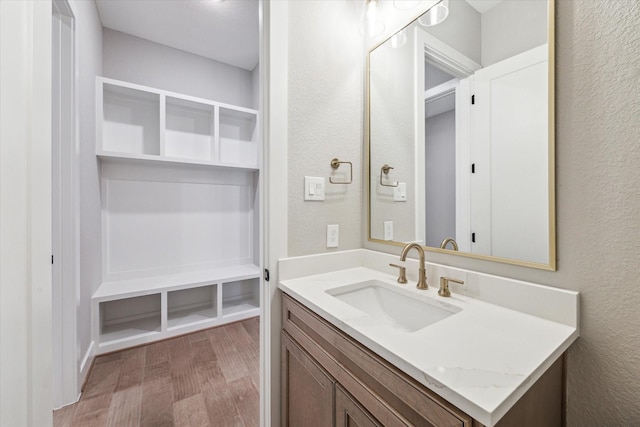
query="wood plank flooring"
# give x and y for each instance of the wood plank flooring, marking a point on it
(209, 378)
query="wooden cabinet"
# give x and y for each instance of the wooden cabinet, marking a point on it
(307, 387)
(350, 414)
(328, 378)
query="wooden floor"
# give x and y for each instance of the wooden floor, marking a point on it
(210, 378)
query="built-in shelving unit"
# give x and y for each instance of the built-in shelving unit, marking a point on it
(180, 236)
(139, 122)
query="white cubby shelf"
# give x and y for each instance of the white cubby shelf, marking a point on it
(138, 311)
(180, 214)
(136, 122)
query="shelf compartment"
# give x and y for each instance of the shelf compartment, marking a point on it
(130, 318)
(189, 132)
(131, 120)
(191, 306)
(237, 135)
(240, 297)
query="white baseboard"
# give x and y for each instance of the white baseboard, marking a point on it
(85, 366)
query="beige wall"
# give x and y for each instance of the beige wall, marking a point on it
(325, 121)
(598, 182)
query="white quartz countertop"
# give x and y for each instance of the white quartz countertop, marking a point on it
(481, 359)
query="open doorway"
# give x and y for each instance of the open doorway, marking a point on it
(171, 201)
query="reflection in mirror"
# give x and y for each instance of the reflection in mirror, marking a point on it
(462, 113)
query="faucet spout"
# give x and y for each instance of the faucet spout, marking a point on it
(422, 275)
(448, 240)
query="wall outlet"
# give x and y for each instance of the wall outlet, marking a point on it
(388, 230)
(333, 233)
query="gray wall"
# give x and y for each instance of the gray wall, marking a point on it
(513, 27)
(440, 171)
(598, 200)
(140, 61)
(89, 57)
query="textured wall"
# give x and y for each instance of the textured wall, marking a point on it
(598, 119)
(325, 121)
(598, 206)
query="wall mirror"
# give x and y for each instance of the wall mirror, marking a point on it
(460, 131)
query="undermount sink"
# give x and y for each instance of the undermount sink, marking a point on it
(403, 312)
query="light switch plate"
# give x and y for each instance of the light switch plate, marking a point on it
(400, 192)
(314, 188)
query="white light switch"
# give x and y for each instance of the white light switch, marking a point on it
(333, 234)
(388, 230)
(400, 192)
(313, 188)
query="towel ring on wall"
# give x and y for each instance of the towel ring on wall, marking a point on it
(335, 164)
(385, 170)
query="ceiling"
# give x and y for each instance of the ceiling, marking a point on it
(226, 31)
(483, 5)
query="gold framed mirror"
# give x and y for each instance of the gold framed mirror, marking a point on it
(459, 133)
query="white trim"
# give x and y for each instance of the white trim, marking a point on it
(274, 80)
(25, 213)
(459, 65)
(85, 365)
(67, 381)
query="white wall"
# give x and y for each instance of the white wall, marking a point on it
(140, 61)
(598, 200)
(326, 70)
(89, 58)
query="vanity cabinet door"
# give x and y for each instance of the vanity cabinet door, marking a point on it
(307, 390)
(350, 414)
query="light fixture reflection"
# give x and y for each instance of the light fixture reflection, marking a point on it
(435, 15)
(372, 25)
(399, 39)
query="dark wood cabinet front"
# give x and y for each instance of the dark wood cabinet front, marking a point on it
(307, 390)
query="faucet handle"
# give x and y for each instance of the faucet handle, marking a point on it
(402, 276)
(444, 286)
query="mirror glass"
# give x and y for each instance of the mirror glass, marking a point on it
(460, 132)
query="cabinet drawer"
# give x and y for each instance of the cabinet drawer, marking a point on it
(366, 376)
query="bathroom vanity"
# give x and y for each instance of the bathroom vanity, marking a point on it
(358, 348)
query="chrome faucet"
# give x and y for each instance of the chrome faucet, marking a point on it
(448, 240)
(422, 275)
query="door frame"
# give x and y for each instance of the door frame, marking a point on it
(67, 377)
(273, 110)
(25, 213)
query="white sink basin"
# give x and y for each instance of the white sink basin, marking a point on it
(393, 307)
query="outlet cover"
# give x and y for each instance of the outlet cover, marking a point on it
(388, 230)
(333, 234)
